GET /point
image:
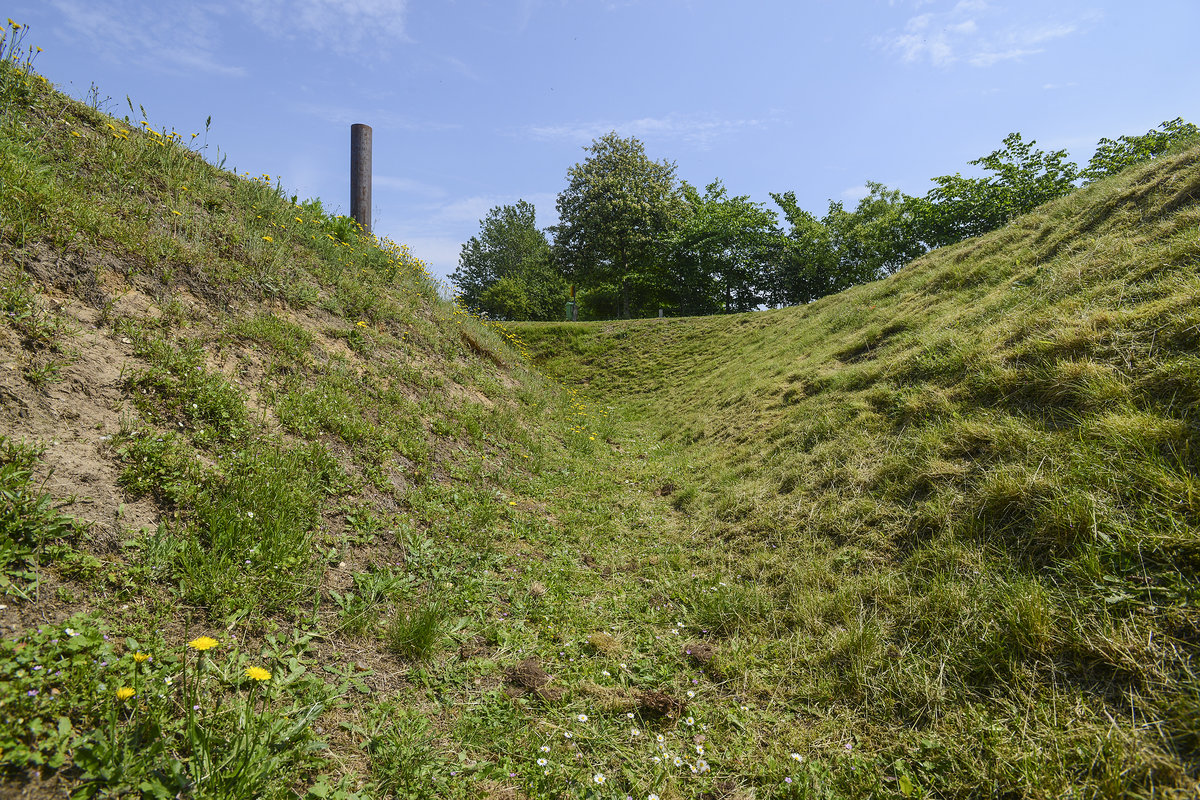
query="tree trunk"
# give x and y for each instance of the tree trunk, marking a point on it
(624, 298)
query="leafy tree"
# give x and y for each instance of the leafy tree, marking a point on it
(878, 237)
(808, 266)
(1023, 178)
(845, 248)
(721, 252)
(1113, 156)
(507, 271)
(616, 210)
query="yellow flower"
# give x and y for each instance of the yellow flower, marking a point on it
(268, 239)
(124, 693)
(140, 657)
(203, 643)
(176, 213)
(77, 133)
(258, 674)
(361, 324)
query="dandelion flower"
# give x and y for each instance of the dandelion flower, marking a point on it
(797, 757)
(690, 721)
(140, 657)
(541, 762)
(545, 748)
(258, 674)
(268, 239)
(677, 761)
(203, 643)
(598, 779)
(660, 738)
(582, 718)
(124, 693)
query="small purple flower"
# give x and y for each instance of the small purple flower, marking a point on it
(787, 780)
(32, 693)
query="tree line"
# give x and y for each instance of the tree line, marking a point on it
(634, 239)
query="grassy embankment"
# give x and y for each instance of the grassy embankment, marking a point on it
(957, 510)
(944, 545)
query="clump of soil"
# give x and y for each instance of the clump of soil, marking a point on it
(660, 704)
(528, 677)
(700, 653)
(604, 643)
(666, 490)
(475, 647)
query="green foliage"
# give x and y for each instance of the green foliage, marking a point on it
(1022, 178)
(417, 632)
(72, 696)
(1113, 156)
(249, 543)
(721, 252)
(506, 271)
(179, 390)
(28, 518)
(614, 216)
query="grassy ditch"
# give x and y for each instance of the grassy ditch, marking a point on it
(965, 496)
(288, 526)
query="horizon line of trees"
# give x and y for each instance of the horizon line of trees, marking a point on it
(633, 239)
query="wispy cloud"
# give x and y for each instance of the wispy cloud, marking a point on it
(856, 193)
(407, 186)
(377, 118)
(976, 33)
(348, 27)
(700, 132)
(185, 41)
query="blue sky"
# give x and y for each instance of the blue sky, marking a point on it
(476, 103)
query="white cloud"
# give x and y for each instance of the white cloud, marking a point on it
(697, 131)
(183, 42)
(976, 33)
(407, 186)
(348, 27)
(378, 118)
(855, 193)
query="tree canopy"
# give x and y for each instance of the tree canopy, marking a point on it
(635, 240)
(616, 212)
(506, 270)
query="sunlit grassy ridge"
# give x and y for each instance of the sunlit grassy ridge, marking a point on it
(932, 537)
(966, 496)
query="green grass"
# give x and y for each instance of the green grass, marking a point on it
(933, 537)
(986, 491)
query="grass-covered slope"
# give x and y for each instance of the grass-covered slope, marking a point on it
(277, 522)
(962, 504)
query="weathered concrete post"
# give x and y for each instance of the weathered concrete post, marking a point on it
(360, 174)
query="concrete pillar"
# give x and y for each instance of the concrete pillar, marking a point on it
(360, 174)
